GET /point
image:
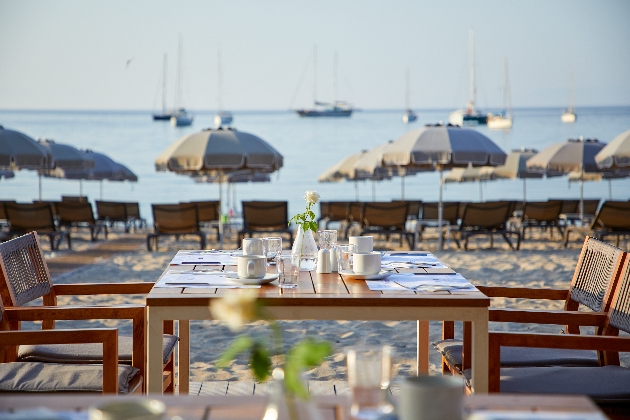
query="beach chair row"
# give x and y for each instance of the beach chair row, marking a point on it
(55, 219)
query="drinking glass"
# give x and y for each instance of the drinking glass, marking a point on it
(272, 248)
(327, 239)
(344, 257)
(287, 272)
(369, 375)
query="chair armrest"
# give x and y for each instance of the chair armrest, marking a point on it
(106, 336)
(523, 292)
(135, 288)
(527, 316)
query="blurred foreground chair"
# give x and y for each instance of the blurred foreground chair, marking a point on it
(487, 218)
(27, 217)
(593, 285)
(387, 219)
(79, 215)
(607, 385)
(265, 217)
(612, 219)
(112, 212)
(175, 220)
(24, 277)
(107, 377)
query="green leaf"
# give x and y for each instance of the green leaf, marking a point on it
(260, 361)
(293, 382)
(306, 354)
(240, 345)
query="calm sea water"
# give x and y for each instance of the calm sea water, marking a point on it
(309, 146)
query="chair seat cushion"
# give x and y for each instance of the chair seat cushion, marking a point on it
(522, 356)
(87, 353)
(53, 377)
(607, 383)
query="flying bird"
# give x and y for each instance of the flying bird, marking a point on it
(128, 62)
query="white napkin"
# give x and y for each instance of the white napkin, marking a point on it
(423, 283)
(203, 258)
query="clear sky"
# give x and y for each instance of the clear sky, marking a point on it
(74, 54)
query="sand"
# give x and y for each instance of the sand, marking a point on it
(542, 262)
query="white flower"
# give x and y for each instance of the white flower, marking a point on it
(235, 309)
(311, 197)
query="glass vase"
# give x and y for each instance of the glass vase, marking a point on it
(304, 250)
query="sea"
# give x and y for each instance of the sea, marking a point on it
(309, 146)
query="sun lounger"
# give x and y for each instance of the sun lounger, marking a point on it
(175, 220)
(612, 219)
(27, 217)
(79, 215)
(387, 219)
(265, 217)
(487, 218)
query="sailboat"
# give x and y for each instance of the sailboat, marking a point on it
(470, 115)
(164, 115)
(180, 117)
(222, 117)
(409, 115)
(503, 120)
(568, 115)
(335, 108)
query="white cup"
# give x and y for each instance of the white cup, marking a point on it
(363, 243)
(366, 264)
(252, 266)
(132, 409)
(431, 398)
(252, 246)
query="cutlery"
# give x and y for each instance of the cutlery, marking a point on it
(432, 288)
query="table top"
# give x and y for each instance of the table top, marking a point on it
(316, 289)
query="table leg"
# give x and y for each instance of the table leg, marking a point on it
(154, 351)
(183, 367)
(423, 347)
(480, 353)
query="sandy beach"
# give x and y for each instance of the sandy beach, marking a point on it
(540, 263)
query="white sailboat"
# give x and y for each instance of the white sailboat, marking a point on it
(180, 117)
(222, 117)
(568, 115)
(503, 120)
(409, 115)
(165, 114)
(470, 115)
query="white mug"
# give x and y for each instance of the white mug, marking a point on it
(252, 266)
(432, 398)
(363, 243)
(252, 246)
(366, 263)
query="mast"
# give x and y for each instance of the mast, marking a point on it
(507, 97)
(472, 72)
(571, 97)
(219, 81)
(164, 83)
(407, 88)
(314, 74)
(334, 101)
(178, 88)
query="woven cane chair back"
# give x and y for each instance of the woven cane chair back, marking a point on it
(23, 270)
(598, 266)
(619, 315)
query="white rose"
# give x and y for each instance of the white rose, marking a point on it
(235, 309)
(311, 197)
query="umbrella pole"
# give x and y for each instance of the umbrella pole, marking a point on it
(524, 190)
(480, 192)
(373, 190)
(610, 189)
(402, 183)
(440, 209)
(101, 190)
(356, 191)
(220, 213)
(40, 187)
(80, 188)
(582, 197)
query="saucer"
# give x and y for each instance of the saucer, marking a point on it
(379, 276)
(267, 279)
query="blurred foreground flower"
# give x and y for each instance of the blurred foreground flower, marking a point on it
(236, 309)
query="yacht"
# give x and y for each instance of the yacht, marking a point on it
(181, 118)
(503, 119)
(165, 114)
(568, 115)
(409, 115)
(470, 115)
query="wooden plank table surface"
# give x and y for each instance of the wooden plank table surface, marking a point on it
(322, 297)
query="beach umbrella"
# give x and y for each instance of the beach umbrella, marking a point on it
(598, 177)
(19, 151)
(471, 174)
(239, 177)
(218, 152)
(442, 147)
(616, 154)
(570, 156)
(515, 167)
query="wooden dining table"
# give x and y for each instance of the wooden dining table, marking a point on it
(322, 297)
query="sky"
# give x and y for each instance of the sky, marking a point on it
(59, 54)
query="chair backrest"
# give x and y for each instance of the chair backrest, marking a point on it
(3, 214)
(488, 215)
(392, 215)
(75, 212)
(450, 211)
(208, 211)
(595, 276)
(111, 210)
(591, 206)
(338, 211)
(570, 206)
(323, 209)
(260, 215)
(25, 217)
(355, 211)
(74, 198)
(175, 218)
(613, 215)
(413, 212)
(542, 211)
(619, 313)
(133, 210)
(24, 275)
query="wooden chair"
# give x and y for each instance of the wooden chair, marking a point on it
(542, 214)
(607, 385)
(175, 220)
(487, 218)
(27, 217)
(355, 214)
(323, 211)
(429, 215)
(413, 212)
(594, 281)
(74, 198)
(337, 212)
(209, 213)
(24, 277)
(112, 212)
(612, 219)
(265, 217)
(79, 215)
(133, 215)
(387, 219)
